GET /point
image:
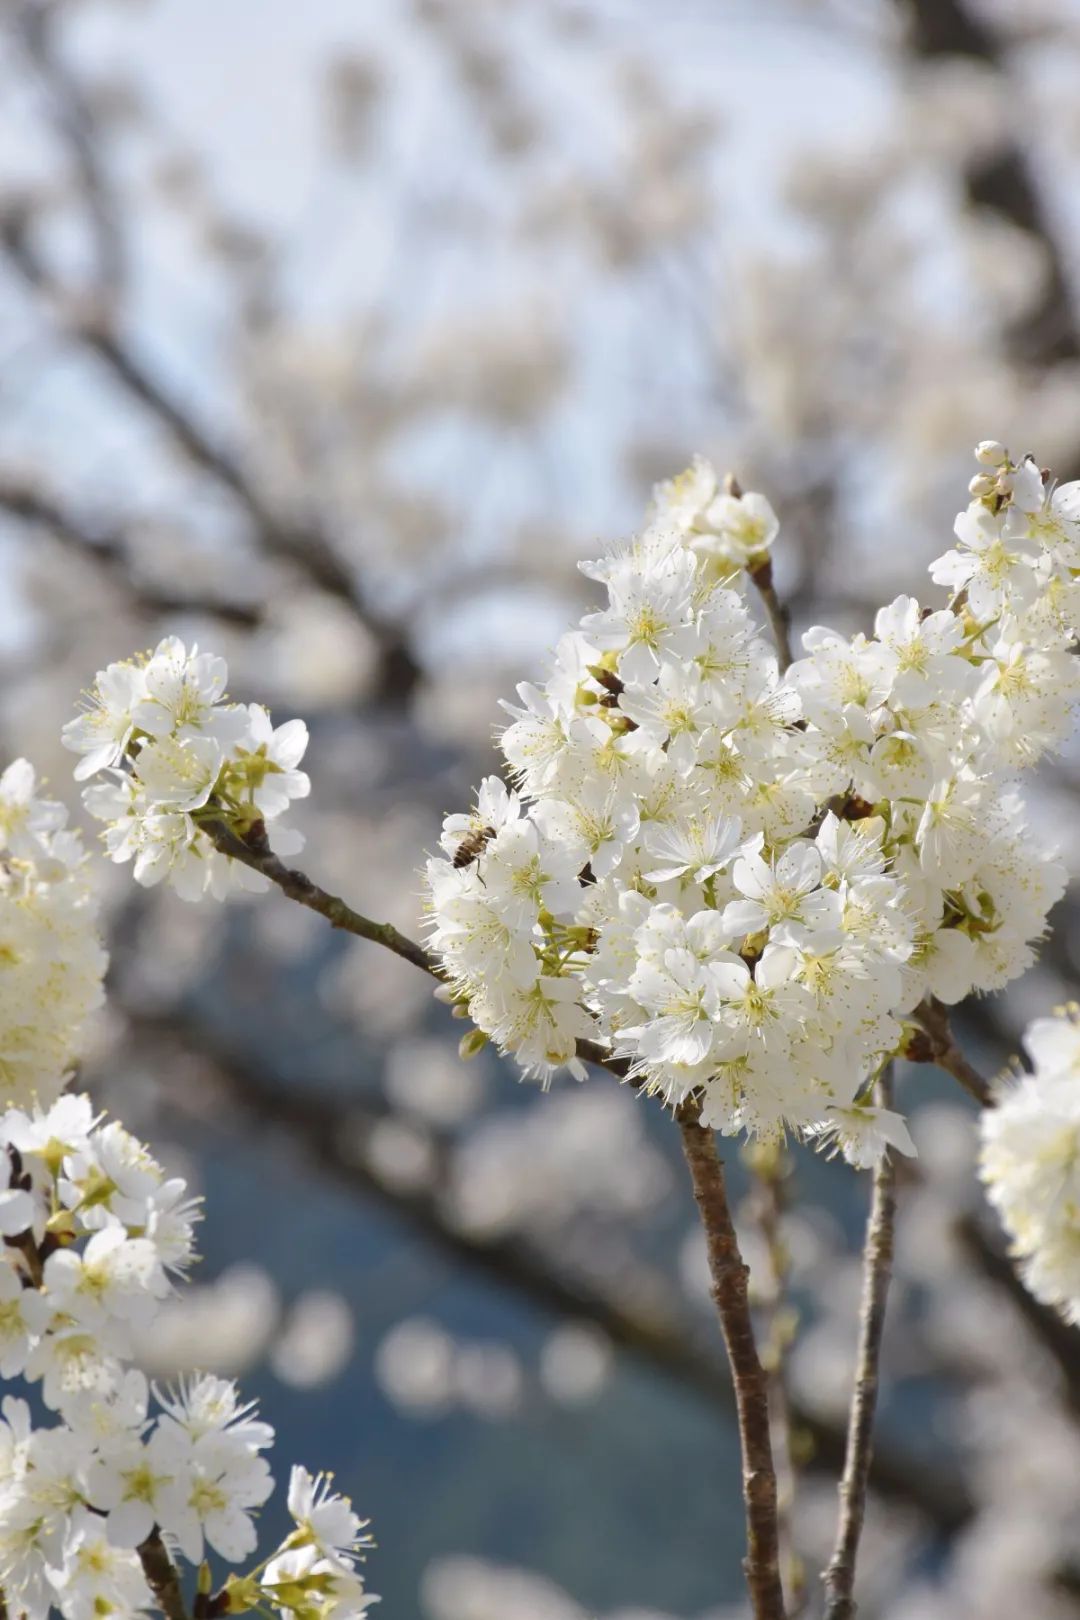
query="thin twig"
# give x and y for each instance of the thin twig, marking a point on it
(255, 852)
(730, 1292)
(37, 508)
(779, 618)
(839, 1577)
(761, 574)
(162, 1576)
(942, 1049)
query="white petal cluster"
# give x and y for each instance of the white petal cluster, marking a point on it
(1030, 1161)
(314, 1574)
(93, 1237)
(173, 753)
(52, 962)
(740, 878)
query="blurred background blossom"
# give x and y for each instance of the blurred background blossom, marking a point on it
(333, 337)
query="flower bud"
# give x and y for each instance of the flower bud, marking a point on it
(471, 1044)
(991, 453)
(242, 1592)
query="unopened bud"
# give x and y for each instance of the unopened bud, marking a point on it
(241, 1593)
(981, 485)
(472, 1044)
(991, 453)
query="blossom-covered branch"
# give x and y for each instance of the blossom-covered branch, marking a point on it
(99, 1505)
(748, 881)
(744, 884)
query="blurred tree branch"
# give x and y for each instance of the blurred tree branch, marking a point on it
(28, 502)
(73, 118)
(1003, 182)
(1058, 1338)
(301, 544)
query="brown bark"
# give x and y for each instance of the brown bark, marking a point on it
(161, 1576)
(839, 1577)
(730, 1292)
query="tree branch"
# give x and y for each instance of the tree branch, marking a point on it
(729, 1290)
(26, 1245)
(1057, 1337)
(839, 1577)
(942, 1049)
(1003, 182)
(162, 1576)
(74, 119)
(778, 615)
(255, 852)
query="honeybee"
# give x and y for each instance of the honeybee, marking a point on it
(472, 846)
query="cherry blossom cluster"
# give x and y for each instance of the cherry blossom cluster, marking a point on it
(51, 959)
(743, 878)
(94, 1234)
(175, 755)
(1030, 1161)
